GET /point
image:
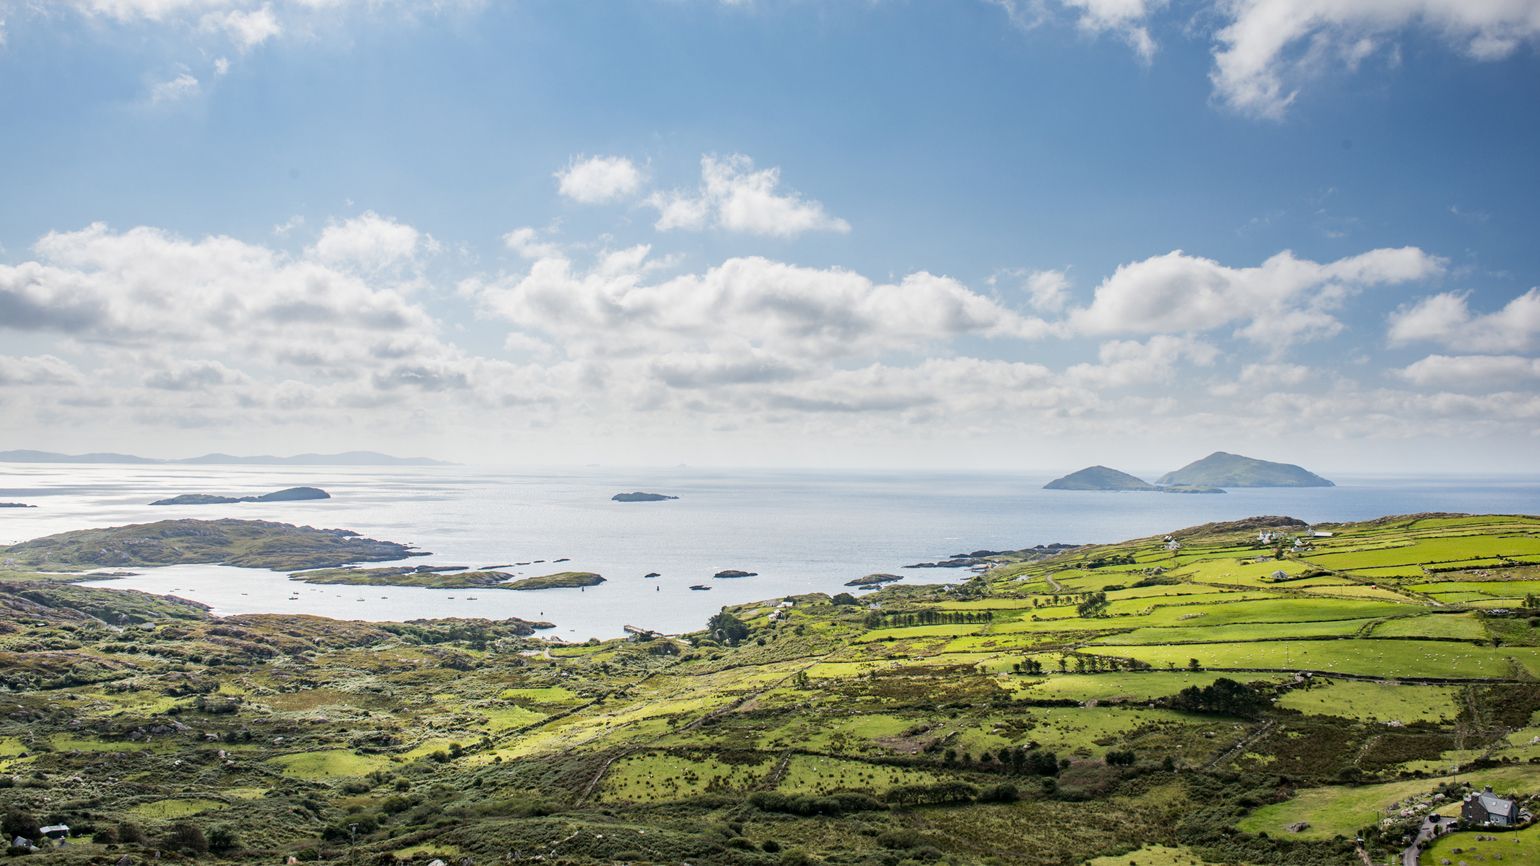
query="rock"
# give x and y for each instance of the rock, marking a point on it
(1299, 827)
(733, 572)
(700, 587)
(639, 496)
(652, 574)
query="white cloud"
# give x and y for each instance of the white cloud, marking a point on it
(1473, 372)
(1048, 290)
(795, 312)
(1275, 375)
(1270, 46)
(1125, 363)
(526, 242)
(36, 370)
(183, 86)
(1445, 318)
(1126, 19)
(736, 197)
(246, 28)
(1283, 301)
(193, 376)
(370, 241)
(597, 179)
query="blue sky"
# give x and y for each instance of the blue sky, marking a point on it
(782, 231)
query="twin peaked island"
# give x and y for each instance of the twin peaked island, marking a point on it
(1212, 474)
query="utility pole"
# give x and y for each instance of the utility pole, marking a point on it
(352, 842)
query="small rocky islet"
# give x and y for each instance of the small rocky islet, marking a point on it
(639, 496)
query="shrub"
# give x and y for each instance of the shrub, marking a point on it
(186, 838)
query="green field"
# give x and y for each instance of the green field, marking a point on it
(1058, 727)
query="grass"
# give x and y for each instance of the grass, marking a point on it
(1517, 848)
(171, 810)
(1151, 855)
(662, 777)
(328, 764)
(1376, 702)
(815, 774)
(1374, 658)
(1342, 809)
(1125, 686)
(1456, 626)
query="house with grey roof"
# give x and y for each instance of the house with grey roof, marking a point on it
(1485, 809)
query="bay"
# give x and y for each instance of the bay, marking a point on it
(801, 531)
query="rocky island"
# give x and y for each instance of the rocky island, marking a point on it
(733, 572)
(639, 496)
(1105, 479)
(1222, 469)
(288, 494)
(559, 580)
(874, 580)
(16, 505)
(424, 576)
(244, 543)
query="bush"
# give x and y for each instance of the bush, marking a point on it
(130, 834)
(18, 823)
(222, 839)
(1004, 792)
(185, 838)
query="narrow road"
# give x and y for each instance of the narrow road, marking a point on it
(1432, 826)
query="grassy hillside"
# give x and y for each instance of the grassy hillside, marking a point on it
(1124, 703)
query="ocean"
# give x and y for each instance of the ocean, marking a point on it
(801, 531)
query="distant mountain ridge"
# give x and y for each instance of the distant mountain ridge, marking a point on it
(346, 458)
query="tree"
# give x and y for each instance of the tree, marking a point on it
(844, 598)
(19, 823)
(1223, 697)
(727, 628)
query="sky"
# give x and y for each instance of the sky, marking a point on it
(974, 234)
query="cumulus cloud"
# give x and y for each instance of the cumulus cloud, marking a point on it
(370, 241)
(36, 370)
(1124, 363)
(1446, 318)
(526, 243)
(247, 28)
(1285, 300)
(193, 376)
(1269, 47)
(1048, 290)
(1473, 372)
(613, 307)
(736, 197)
(597, 179)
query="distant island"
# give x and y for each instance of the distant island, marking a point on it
(346, 458)
(1221, 469)
(560, 580)
(1098, 478)
(733, 572)
(641, 497)
(874, 580)
(425, 576)
(1212, 474)
(16, 505)
(288, 494)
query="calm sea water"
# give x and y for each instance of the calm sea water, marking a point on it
(801, 531)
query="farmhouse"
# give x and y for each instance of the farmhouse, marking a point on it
(1484, 808)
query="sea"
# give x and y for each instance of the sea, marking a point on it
(798, 531)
